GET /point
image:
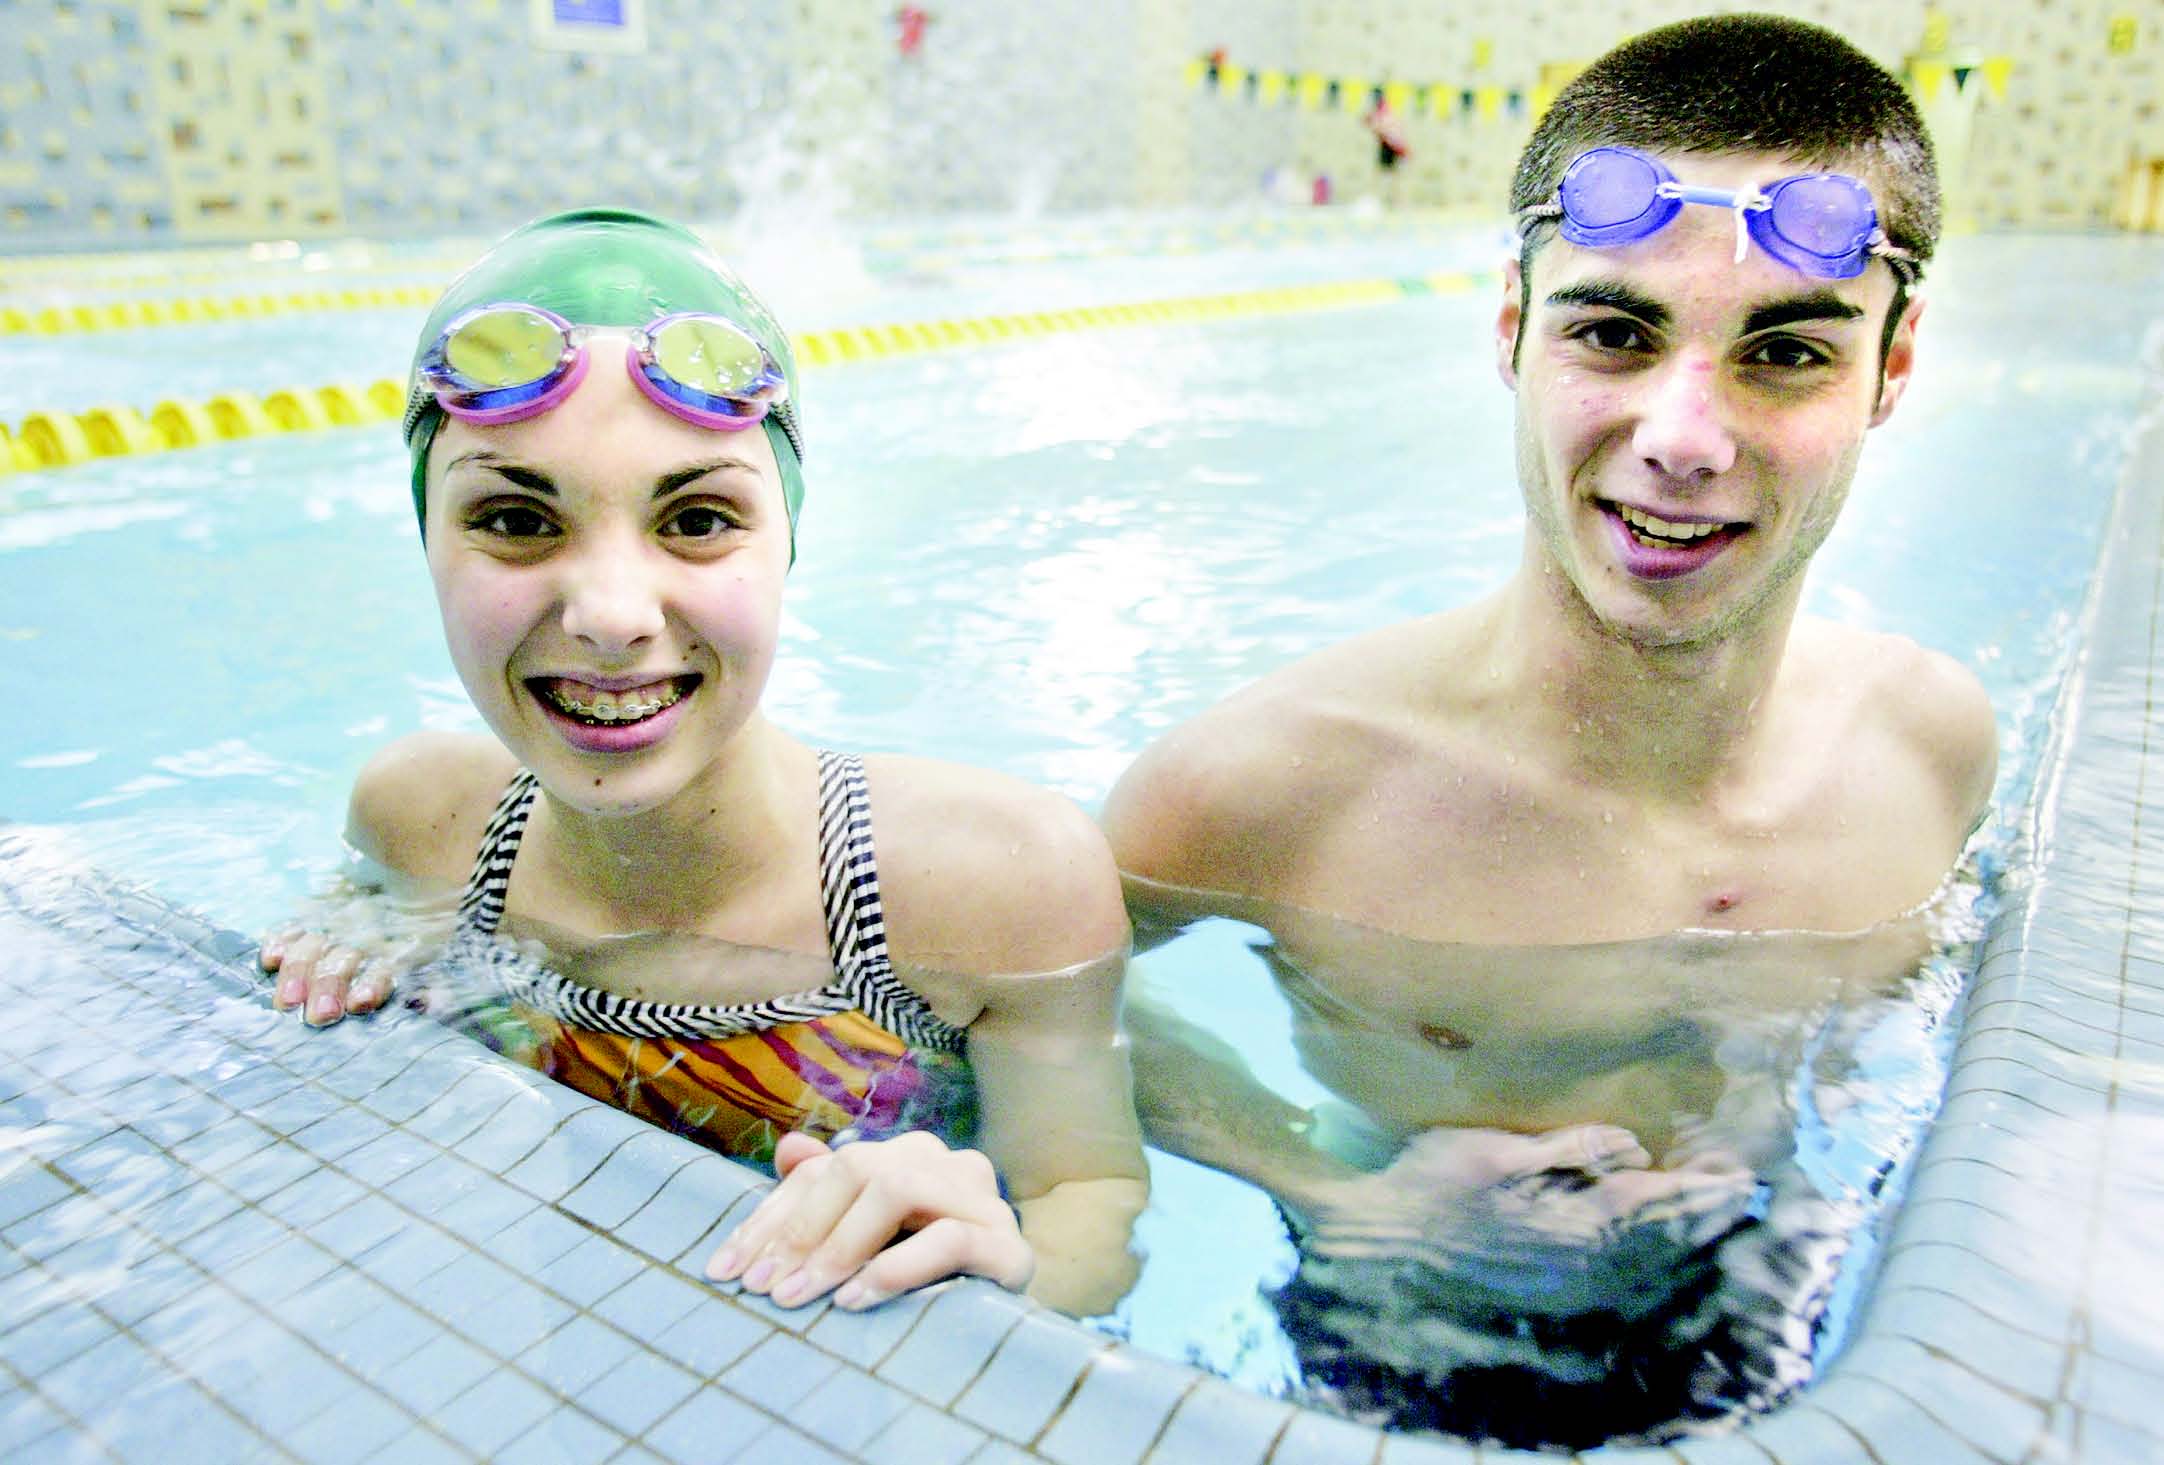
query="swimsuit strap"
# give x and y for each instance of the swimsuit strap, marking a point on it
(481, 908)
(856, 922)
(856, 936)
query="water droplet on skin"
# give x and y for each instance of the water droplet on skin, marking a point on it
(1607, 816)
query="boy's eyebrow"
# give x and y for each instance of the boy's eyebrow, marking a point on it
(1612, 296)
(1819, 305)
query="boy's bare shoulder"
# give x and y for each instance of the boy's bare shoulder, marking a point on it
(985, 873)
(420, 804)
(1928, 704)
(1220, 802)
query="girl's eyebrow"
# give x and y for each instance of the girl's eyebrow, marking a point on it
(536, 481)
(670, 482)
(526, 478)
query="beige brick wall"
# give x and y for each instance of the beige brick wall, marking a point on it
(135, 118)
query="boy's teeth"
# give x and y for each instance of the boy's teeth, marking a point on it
(1640, 520)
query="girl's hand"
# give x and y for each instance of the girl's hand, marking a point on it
(326, 979)
(828, 1224)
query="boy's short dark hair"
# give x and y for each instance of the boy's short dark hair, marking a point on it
(1744, 84)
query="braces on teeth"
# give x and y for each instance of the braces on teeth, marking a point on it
(621, 712)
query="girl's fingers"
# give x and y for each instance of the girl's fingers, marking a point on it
(808, 1192)
(949, 1247)
(296, 964)
(889, 1201)
(372, 984)
(793, 1149)
(835, 1210)
(271, 950)
(328, 984)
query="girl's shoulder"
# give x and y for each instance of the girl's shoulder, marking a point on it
(983, 873)
(420, 804)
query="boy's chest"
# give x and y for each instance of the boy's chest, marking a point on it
(1508, 861)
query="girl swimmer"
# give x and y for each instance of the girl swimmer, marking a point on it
(819, 935)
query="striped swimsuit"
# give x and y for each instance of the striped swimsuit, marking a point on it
(862, 1053)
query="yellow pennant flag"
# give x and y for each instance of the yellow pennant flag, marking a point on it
(1352, 94)
(1490, 100)
(1997, 70)
(1193, 72)
(1399, 94)
(1269, 87)
(1231, 79)
(1929, 77)
(1312, 88)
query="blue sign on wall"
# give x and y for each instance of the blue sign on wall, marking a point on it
(590, 12)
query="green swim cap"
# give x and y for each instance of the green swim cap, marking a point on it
(606, 267)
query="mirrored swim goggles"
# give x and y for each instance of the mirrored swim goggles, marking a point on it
(1821, 224)
(507, 361)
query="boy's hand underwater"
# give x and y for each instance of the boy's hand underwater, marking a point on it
(1552, 1224)
(825, 1228)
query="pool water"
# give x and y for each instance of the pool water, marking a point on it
(1033, 557)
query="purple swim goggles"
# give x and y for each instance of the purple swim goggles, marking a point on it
(507, 361)
(1822, 224)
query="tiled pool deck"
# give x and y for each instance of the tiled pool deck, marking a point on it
(443, 1257)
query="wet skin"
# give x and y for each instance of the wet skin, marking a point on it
(1637, 735)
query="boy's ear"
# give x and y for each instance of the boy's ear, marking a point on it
(1509, 320)
(1900, 362)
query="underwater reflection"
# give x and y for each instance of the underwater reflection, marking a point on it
(1558, 1195)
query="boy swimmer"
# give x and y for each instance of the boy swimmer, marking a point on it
(1473, 834)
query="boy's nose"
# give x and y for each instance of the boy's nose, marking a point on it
(1683, 429)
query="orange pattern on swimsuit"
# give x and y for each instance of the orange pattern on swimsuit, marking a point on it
(741, 1094)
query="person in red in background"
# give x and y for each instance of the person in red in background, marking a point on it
(912, 19)
(1390, 146)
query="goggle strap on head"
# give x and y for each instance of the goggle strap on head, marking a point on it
(1901, 261)
(418, 400)
(1744, 201)
(782, 415)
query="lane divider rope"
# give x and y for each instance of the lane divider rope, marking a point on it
(45, 440)
(188, 310)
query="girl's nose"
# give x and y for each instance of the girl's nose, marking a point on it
(612, 601)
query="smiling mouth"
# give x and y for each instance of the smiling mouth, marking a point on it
(1658, 533)
(600, 707)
